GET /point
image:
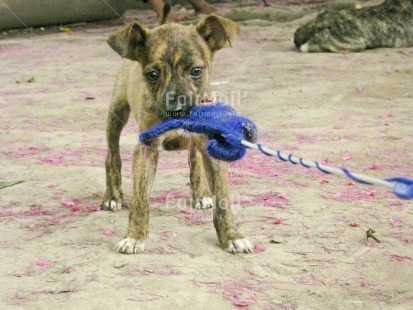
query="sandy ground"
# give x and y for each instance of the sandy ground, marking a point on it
(353, 110)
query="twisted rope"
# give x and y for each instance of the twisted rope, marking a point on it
(402, 186)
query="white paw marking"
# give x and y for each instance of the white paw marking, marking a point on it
(130, 246)
(112, 205)
(304, 48)
(239, 246)
(204, 203)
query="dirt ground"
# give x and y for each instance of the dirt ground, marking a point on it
(352, 110)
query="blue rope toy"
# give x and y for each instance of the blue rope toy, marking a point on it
(224, 128)
(229, 135)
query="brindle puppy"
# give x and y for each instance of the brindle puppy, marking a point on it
(389, 24)
(165, 71)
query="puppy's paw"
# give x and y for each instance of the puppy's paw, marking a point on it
(203, 203)
(239, 246)
(111, 205)
(130, 246)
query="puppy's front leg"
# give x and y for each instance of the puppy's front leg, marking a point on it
(228, 235)
(201, 198)
(145, 160)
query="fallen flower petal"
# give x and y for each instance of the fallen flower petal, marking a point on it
(74, 209)
(374, 166)
(43, 262)
(241, 303)
(69, 203)
(400, 258)
(286, 196)
(354, 224)
(93, 208)
(395, 223)
(371, 244)
(259, 248)
(52, 160)
(109, 233)
(277, 221)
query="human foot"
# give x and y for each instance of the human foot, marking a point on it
(205, 9)
(175, 16)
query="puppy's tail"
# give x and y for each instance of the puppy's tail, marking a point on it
(165, 12)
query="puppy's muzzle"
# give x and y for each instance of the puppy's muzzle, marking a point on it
(179, 108)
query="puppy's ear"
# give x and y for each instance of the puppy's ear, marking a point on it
(217, 31)
(130, 41)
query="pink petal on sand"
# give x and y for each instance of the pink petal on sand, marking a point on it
(277, 221)
(372, 194)
(241, 303)
(286, 196)
(347, 156)
(354, 224)
(363, 284)
(351, 183)
(395, 223)
(360, 89)
(69, 203)
(259, 248)
(400, 258)
(52, 160)
(52, 185)
(374, 166)
(43, 262)
(109, 233)
(187, 210)
(75, 209)
(323, 161)
(93, 208)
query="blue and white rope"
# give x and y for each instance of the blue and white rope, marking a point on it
(402, 186)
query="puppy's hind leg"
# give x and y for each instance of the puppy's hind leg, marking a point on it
(200, 190)
(118, 116)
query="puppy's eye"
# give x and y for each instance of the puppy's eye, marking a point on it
(152, 76)
(196, 72)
